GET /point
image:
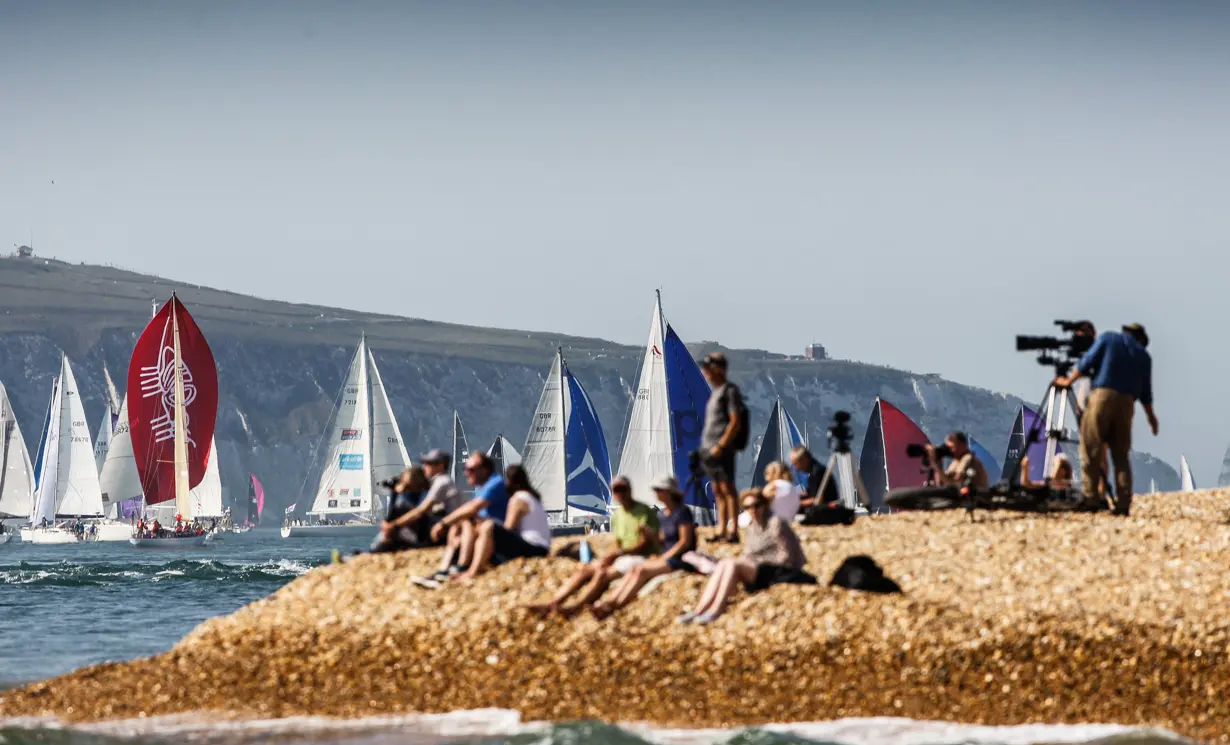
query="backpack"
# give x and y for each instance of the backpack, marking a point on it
(743, 433)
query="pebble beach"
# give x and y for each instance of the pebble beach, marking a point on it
(1004, 619)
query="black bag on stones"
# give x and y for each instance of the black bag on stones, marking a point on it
(862, 573)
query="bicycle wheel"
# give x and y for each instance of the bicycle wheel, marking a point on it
(925, 498)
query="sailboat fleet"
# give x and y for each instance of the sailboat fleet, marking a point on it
(154, 456)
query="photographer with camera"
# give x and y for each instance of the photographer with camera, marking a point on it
(956, 446)
(725, 431)
(1122, 374)
(399, 532)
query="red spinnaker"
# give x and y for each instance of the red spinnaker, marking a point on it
(151, 401)
(900, 431)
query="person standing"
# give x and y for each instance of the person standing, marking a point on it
(724, 432)
(1122, 373)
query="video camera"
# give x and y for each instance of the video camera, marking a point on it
(840, 433)
(918, 450)
(1059, 353)
(389, 484)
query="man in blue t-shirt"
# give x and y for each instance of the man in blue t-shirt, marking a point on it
(1122, 373)
(490, 502)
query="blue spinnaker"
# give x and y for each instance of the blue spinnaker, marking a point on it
(687, 391)
(587, 462)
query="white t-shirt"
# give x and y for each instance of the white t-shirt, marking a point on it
(534, 527)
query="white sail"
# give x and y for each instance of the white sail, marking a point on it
(119, 479)
(106, 428)
(78, 490)
(1153, 486)
(207, 495)
(16, 473)
(389, 456)
(647, 450)
(43, 507)
(543, 455)
(1186, 482)
(346, 481)
(461, 451)
(102, 442)
(504, 451)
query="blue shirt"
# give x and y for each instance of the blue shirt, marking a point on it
(496, 494)
(1118, 362)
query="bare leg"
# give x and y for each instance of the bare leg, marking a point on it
(602, 579)
(726, 496)
(484, 548)
(631, 584)
(583, 575)
(711, 587)
(467, 543)
(451, 548)
(739, 570)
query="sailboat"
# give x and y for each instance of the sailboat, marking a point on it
(781, 435)
(16, 472)
(172, 410)
(668, 410)
(256, 505)
(1186, 481)
(365, 449)
(460, 451)
(110, 419)
(1027, 423)
(883, 463)
(1152, 486)
(503, 454)
(1223, 479)
(67, 476)
(566, 457)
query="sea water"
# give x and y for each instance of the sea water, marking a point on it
(62, 607)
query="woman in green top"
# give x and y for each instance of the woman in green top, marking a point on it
(635, 528)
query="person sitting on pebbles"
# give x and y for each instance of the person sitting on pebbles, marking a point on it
(772, 556)
(677, 533)
(526, 532)
(490, 502)
(783, 494)
(635, 527)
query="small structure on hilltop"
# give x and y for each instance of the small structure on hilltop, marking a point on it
(815, 351)
(24, 252)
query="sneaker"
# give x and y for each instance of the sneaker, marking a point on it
(707, 618)
(686, 617)
(456, 569)
(733, 539)
(427, 583)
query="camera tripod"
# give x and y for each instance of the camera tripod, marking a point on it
(1055, 407)
(850, 489)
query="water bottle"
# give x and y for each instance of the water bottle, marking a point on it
(587, 554)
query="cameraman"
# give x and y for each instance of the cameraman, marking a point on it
(1122, 373)
(963, 460)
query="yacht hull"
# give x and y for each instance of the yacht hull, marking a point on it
(330, 531)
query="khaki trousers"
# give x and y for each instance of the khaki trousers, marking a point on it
(1107, 423)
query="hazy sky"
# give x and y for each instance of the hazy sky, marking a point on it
(911, 184)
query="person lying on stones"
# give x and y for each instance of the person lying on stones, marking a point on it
(1061, 474)
(772, 556)
(635, 527)
(490, 502)
(677, 535)
(526, 532)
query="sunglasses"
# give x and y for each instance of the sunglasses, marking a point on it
(753, 505)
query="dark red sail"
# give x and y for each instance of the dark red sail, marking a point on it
(151, 401)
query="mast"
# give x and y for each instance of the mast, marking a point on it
(563, 415)
(183, 505)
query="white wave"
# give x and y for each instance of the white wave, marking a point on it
(902, 731)
(432, 729)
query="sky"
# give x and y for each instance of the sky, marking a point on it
(910, 184)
